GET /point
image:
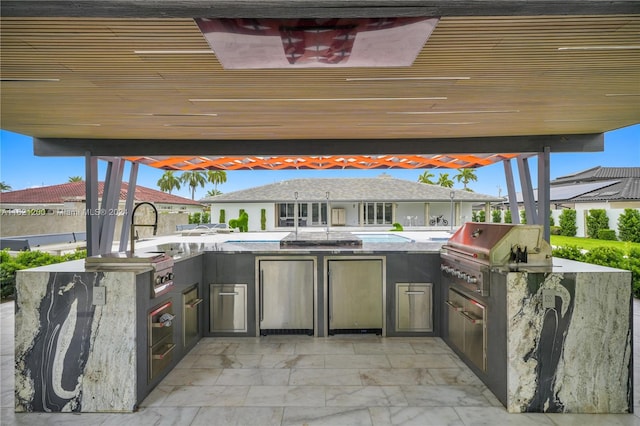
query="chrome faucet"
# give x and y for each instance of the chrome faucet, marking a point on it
(134, 225)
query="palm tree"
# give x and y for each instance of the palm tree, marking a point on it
(425, 177)
(465, 176)
(193, 178)
(213, 192)
(216, 177)
(168, 182)
(75, 179)
(443, 180)
(4, 187)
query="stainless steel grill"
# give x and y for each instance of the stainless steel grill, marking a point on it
(477, 248)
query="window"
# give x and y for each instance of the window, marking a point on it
(286, 215)
(318, 213)
(378, 213)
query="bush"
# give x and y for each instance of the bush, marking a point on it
(552, 222)
(569, 252)
(634, 266)
(496, 216)
(596, 220)
(555, 230)
(242, 223)
(607, 234)
(507, 216)
(195, 218)
(568, 226)
(482, 216)
(474, 217)
(222, 218)
(629, 225)
(25, 260)
(397, 227)
(263, 219)
(523, 217)
(606, 256)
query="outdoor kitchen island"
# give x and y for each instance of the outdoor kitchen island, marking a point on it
(76, 352)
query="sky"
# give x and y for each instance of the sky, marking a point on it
(21, 169)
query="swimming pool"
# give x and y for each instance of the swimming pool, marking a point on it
(383, 238)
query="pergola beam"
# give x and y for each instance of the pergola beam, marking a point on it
(65, 147)
(308, 8)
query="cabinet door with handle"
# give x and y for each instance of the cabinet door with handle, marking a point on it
(228, 308)
(414, 309)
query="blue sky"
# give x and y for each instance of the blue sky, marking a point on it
(21, 169)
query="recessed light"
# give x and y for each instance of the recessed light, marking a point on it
(622, 94)
(627, 47)
(497, 111)
(404, 78)
(151, 114)
(222, 125)
(30, 80)
(317, 99)
(457, 123)
(172, 52)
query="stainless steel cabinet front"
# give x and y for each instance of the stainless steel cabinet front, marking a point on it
(355, 294)
(190, 314)
(414, 307)
(228, 308)
(286, 295)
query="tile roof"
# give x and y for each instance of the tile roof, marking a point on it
(599, 173)
(383, 188)
(599, 184)
(56, 194)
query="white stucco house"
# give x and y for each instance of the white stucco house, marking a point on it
(350, 202)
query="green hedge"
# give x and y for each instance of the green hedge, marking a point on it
(607, 234)
(606, 256)
(25, 260)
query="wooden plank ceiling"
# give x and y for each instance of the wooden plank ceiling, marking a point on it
(477, 76)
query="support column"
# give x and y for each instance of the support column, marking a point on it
(511, 191)
(527, 190)
(426, 214)
(110, 201)
(128, 207)
(544, 191)
(487, 212)
(91, 204)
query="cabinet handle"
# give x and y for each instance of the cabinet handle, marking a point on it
(261, 295)
(194, 303)
(410, 293)
(454, 307)
(471, 319)
(228, 293)
(165, 353)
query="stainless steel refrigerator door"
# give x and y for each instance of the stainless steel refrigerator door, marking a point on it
(414, 307)
(228, 308)
(286, 294)
(355, 294)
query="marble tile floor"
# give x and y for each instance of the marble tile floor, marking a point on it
(299, 380)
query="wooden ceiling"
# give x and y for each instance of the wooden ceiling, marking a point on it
(477, 76)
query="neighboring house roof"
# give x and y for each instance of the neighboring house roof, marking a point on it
(384, 188)
(56, 194)
(595, 184)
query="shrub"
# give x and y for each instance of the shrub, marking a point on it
(555, 230)
(568, 226)
(482, 216)
(569, 252)
(507, 216)
(263, 219)
(634, 266)
(523, 217)
(195, 218)
(24, 260)
(629, 225)
(222, 218)
(397, 227)
(552, 221)
(474, 217)
(606, 256)
(206, 217)
(496, 216)
(596, 220)
(607, 234)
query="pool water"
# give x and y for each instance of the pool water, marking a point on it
(383, 238)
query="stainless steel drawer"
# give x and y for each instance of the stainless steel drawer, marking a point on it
(414, 310)
(228, 308)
